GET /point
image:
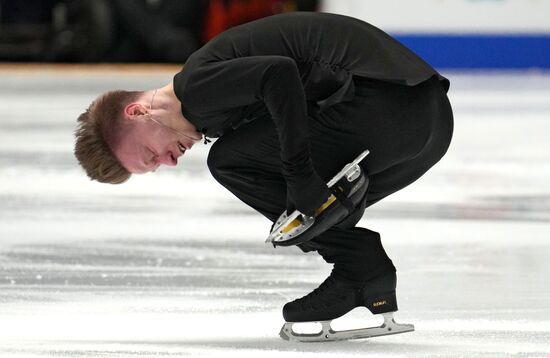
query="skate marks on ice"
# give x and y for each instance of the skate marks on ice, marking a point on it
(205, 297)
(436, 343)
(210, 335)
(157, 266)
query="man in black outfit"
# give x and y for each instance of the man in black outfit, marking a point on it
(292, 98)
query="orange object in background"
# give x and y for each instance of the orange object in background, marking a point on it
(223, 14)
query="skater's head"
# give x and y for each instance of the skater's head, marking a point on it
(121, 134)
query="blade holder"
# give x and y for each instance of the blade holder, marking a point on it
(289, 226)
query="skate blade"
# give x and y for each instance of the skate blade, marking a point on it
(296, 223)
(327, 334)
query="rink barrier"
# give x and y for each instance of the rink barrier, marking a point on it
(486, 51)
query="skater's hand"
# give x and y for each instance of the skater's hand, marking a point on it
(306, 194)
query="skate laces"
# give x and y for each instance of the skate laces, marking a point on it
(330, 287)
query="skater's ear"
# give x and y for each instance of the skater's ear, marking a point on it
(135, 111)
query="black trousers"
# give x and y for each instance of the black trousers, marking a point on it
(406, 129)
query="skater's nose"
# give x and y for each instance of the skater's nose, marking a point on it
(167, 159)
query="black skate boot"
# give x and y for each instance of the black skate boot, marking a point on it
(335, 297)
(343, 208)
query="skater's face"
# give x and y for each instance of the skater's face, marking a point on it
(147, 144)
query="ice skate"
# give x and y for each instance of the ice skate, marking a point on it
(336, 297)
(348, 188)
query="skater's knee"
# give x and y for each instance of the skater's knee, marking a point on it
(215, 160)
(221, 161)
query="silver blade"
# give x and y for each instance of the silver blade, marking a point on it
(347, 168)
(327, 334)
(276, 233)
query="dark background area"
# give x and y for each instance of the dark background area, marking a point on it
(127, 31)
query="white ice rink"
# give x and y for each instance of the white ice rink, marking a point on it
(170, 264)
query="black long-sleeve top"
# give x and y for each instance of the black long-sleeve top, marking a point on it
(288, 64)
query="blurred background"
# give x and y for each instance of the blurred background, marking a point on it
(447, 33)
(123, 30)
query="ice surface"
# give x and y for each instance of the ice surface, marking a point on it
(171, 264)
